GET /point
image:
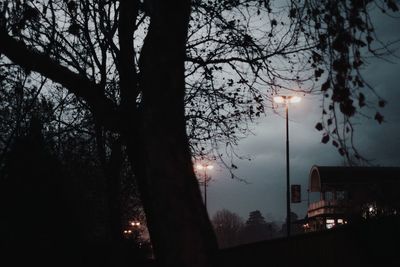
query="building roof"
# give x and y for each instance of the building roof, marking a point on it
(324, 177)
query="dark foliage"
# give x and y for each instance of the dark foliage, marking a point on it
(145, 77)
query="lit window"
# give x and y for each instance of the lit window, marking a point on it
(371, 209)
(340, 221)
(330, 223)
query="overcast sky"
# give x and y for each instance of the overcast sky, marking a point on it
(266, 172)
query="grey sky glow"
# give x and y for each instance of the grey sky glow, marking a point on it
(266, 172)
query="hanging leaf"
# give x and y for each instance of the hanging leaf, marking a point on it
(318, 73)
(379, 117)
(325, 139)
(369, 39)
(335, 144)
(361, 100)
(392, 5)
(325, 86)
(74, 29)
(319, 126)
(347, 108)
(292, 13)
(72, 6)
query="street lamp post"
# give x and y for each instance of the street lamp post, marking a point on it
(287, 100)
(205, 167)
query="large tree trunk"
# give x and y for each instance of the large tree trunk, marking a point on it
(180, 230)
(157, 143)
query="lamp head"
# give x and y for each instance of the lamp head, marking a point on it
(203, 167)
(287, 99)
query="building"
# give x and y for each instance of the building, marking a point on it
(348, 194)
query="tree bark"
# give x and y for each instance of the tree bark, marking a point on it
(155, 133)
(178, 222)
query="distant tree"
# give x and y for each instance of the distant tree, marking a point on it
(36, 211)
(98, 171)
(257, 229)
(227, 226)
(255, 218)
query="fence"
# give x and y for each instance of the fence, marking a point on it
(371, 243)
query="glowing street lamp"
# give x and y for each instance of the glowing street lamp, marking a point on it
(135, 223)
(287, 100)
(205, 167)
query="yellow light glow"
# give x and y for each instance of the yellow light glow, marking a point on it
(135, 223)
(330, 221)
(295, 99)
(279, 99)
(202, 167)
(287, 99)
(199, 167)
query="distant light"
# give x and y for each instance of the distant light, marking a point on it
(202, 167)
(294, 99)
(330, 226)
(199, 167)
(330, 221)
(279, 99)
(287, 99)
(371, 208)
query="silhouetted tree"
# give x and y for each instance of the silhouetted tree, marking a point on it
(89, 154)
(257, 229)
(37, 218)
(125, 61)
(227, 226)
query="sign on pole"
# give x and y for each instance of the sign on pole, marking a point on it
(296, 193)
